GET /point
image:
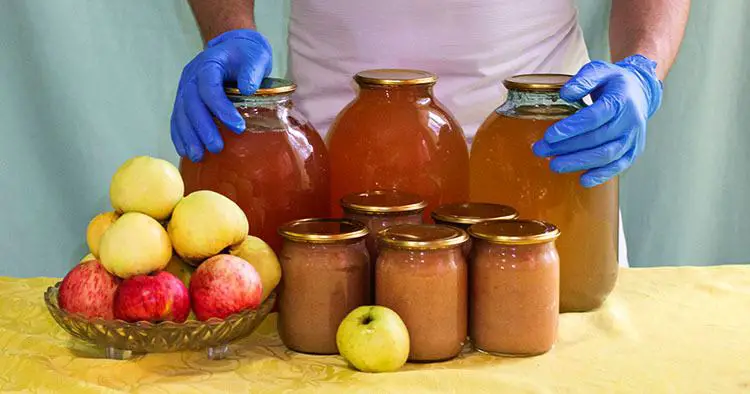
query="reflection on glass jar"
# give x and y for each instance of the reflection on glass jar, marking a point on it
(463, 215)
(515, 287)
(505, 170)
(421, 274)
(396, 135)
(325, 275)
(276, 170)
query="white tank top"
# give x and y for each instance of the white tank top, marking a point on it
(472, 45)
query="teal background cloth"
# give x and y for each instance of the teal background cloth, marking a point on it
(87, 84)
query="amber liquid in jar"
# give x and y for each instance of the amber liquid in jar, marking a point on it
(325, 275)
(505, 170)
(427, 288)
(277, 170)
(396, 135)
(515, 289)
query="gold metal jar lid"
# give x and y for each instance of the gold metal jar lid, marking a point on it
(537, 82)
(473, 212)
(323, 230)
(515, 232)
(268, 87)
(383, 202)
(395, 76)
(422, 236)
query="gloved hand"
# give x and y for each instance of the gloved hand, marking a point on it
(606, 137)
(240, 55)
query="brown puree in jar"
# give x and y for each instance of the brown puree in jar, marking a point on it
(463, 215)
(380, 209)
(515, 287)
(325, 275)
(421, 274)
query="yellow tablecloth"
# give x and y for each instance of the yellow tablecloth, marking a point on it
(664, 330)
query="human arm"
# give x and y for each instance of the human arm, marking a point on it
(652, 28)
(234, 52)
(605, 138)
(216, 17)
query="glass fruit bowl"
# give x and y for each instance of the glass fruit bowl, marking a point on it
(120, 339)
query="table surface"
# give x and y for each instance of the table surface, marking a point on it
(663, 330)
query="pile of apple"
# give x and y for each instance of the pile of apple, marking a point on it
(143, 254)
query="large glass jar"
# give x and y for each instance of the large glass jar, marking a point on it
(421, 274)
(325, 274)
(505, 170)
(276, 170)
(515, 287)
(463, 215)
(396, 135)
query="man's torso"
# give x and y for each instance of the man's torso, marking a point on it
(472, 45)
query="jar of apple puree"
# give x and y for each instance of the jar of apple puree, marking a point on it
(421, 274)
(515, 287)
(463, 215)
(380, 209)
(325, 275)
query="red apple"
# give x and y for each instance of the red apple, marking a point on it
(224, 285)
(89, 289)
(155, 297)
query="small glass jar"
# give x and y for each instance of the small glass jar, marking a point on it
(380, 209)
(325, 275)
(515, 287)
(463, 215)
(421, 274)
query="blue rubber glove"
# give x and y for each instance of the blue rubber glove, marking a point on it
(243, 56)
(605, 138)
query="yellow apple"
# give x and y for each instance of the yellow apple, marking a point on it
(256, 252)
(87, 257)
(180, 269)
(135, 244)
(147, 185)
(204, 223)
(96, 228)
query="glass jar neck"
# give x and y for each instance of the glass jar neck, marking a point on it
(268, 101)
(396, 92)
(538, 104)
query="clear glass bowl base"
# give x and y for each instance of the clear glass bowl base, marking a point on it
(121, 340)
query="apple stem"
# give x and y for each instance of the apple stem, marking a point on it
(366, 319)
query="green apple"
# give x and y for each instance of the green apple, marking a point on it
(180, 269)
(373, 339)
(256, 252)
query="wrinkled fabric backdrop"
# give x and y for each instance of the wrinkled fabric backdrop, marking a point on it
(86, 84)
